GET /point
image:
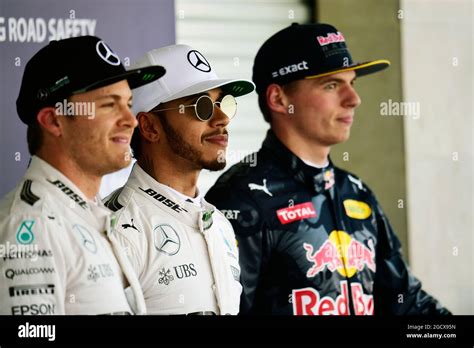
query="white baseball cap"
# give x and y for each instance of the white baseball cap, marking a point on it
(188, 72)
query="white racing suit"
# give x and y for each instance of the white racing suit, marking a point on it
(185, 255)
(58, 254)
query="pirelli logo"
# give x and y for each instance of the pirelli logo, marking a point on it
(27, 290)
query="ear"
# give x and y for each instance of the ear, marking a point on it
(149, 128)
(48, 120)
(277, 100)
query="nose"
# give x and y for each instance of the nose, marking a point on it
(127, 118)
(351, 98)
(219, 118)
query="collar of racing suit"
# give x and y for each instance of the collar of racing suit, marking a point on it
(189, 213)
(319, 179)
(68, 193)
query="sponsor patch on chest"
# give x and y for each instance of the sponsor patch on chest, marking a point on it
(298, 212)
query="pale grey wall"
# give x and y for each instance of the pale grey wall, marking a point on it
(437, 52)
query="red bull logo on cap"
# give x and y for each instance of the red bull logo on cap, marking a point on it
(308, 301)
(331, 38)
(341, 253)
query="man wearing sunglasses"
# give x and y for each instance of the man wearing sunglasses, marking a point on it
(182, 248)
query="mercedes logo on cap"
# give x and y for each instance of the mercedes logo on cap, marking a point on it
(87, 240)
(106, 53)
(42, 94)
(198, 61)
(166, 239)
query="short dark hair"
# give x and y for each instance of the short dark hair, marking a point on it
(262, 103)
(34, 137)
(135, 143)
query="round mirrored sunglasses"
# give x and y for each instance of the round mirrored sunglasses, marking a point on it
(204, 107)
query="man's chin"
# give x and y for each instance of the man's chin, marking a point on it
(214, 166)
(115, 166)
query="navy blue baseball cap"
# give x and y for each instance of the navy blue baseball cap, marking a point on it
(305, 51)
(71, 66)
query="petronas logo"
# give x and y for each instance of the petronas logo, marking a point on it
(25, 235)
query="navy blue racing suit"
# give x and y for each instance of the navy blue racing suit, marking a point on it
(314, 241)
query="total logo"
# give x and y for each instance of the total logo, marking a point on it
(341, 253)
(308, 301)
(297, 212)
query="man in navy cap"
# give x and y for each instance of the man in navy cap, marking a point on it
(60, 253)
(312, 238)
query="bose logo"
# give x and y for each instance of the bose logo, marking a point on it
(291, 69)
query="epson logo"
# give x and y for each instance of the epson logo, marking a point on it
(291, 69)
(34, 309)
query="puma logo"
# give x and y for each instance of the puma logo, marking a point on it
(261, 187)
(132, 225)
(357, 182)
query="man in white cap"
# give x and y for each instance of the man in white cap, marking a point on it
(182, 248)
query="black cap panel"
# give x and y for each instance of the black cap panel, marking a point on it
(71, 66)
(299, 51)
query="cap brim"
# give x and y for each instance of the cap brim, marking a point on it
(136, 78)
(235, 88)
(361, 69)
